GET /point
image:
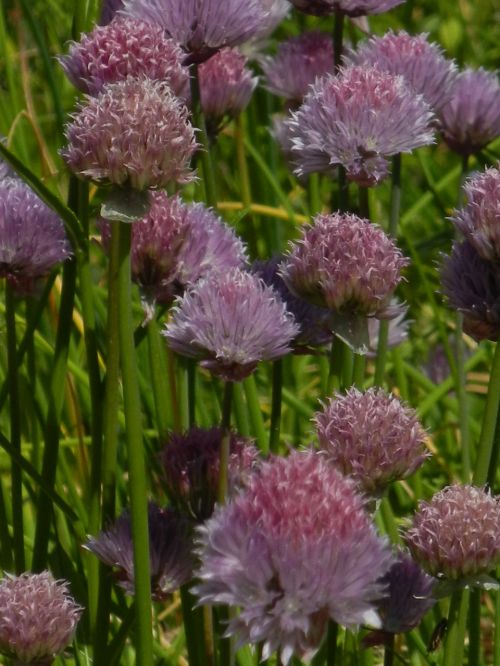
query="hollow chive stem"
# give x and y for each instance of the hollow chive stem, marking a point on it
(277, 385)
(455, 632)
(199, 123)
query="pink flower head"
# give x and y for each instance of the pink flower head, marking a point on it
(457, 534)
(190, 464)
(135, 133)
(38, 618)
(226, 86)
(358, 119)
(125, 47)
(32, 236)
(372, 437)
(345, 263)
(348, 7)
(479, 219)
(231, 322)
(293, 550)
(421, 63)
(297, 63)
(202, 27)
(471, 118)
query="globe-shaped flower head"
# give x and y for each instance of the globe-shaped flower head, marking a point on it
(202, 27)
(32, 236)
(124, 47)
(372, 437)
(135, 133)
(38, 618)
(231, 322)
(457, 534)
(420, 62)
(479, 219)
(358, 119)
(348, 7)
(293, 550)
(471, 118)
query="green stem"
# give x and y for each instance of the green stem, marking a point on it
(193, 619)
(135, 450)
(474, 627)
(331, 643)
(358, 371)
(364, 202)
(274, 432)
(455, 632)
(191, 390)
(224, 444)
(199, 122)
(485, 446)
(159, 379)
(496, 635)
(15, 431)
(389, 650)
(256, 420)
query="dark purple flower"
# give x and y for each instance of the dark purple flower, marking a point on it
(109, 10)
(135, 133)
(343, 262)
(231, 322)
(314, 322)
(471, 118)
(190, 464)
(38, 618)
(125, 47)
(297, 63)
(457, 534)
(358, 119)
(170, 550)
(372, 437)
(479, 218)
(291, 551)
(202, 27)
(421, 63)
(472, 286)
(348, 7)
(32, 236)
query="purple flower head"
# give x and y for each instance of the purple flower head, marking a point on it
(190, 463)
(345, 263)
(297, 63)
(176, 244)
(226, 86)
(472, 286)
(109, 9)
(293, 550)
(348, 7)
(231, 322)
(134, 133)
(313, 321)
(421, 63)
(125, 47)
(479, 219)
(471, 118)
(276, 12)
(32, 236)
(372, 437)
(170, 550)
(202, 27)
(358, 119)
(38, 618)
(457, 534)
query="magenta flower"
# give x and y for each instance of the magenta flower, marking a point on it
(358, 119)
(297, 63)
(32, 236)
(471, 118)
(293, 550)
(372, 437)
(421, 63)
(125, 47)
(457, 534)
(348, 7)
(38, 618)
(202, 27)
(231, 322)
(190, 464)
(472, 286)
(175, 245)
(170, 547)
(135, 133)
(226, 86)
(479, 219)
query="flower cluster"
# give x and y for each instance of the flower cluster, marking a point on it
(293, 550)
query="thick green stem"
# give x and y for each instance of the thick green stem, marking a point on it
(159, 380)
(193, 626)
(331, 643)
(358, 370)
(255, 413)
(389, 650)
(224, 444)
(455, 632)
(274, 431)
(199, 122)
(474, 656)
(135, 450)
(485, 447)
(15, 431)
